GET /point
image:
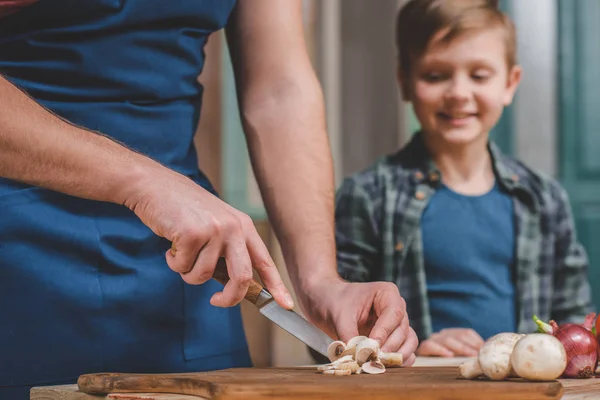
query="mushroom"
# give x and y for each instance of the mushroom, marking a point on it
(495, 355)
(539, 357)
(373, 367)
(352, 343)
(390, 360)
(470, 369)
(337, 372)
(493, 359)
(360, 354)
(346, 363)
(335, 350)
(366, 350)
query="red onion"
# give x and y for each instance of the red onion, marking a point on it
(580, 344)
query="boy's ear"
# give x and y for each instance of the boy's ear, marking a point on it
(512, 82)
(403, 82)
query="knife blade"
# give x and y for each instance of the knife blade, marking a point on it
(288, 320)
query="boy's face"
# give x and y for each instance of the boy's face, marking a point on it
(459, 89)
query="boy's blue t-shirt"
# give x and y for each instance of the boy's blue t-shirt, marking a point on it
(469, 246)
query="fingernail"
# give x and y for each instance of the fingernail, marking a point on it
(288, 300)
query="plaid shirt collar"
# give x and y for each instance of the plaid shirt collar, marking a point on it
(417, 160)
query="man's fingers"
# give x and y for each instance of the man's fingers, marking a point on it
(410, 361)
(396, 338)
(390, 309)
(432, 348)
(266, 269)
(457, 347)
(409, 346)
(346, 327)
(184, 251)
(239, 269)
(204, 266)
(388, 321)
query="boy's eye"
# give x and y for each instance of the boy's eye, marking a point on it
(481, 76)
(433, 77)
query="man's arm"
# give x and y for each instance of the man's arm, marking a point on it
(38, 148)
(283, 116)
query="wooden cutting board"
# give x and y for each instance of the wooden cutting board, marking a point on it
(427, 383)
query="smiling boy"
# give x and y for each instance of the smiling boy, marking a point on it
(476, 241)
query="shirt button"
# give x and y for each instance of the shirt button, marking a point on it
(420, 195)
(399, 246)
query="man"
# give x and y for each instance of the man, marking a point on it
(109, 234)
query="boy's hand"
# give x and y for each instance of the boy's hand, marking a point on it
(452, 342)
(374, 309)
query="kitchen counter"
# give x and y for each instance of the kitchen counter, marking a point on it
(574, 389)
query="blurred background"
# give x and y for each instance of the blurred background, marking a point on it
(552, 125)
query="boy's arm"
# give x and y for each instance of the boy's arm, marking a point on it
(356, 232)
(572, 298)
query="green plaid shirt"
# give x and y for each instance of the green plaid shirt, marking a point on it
(378, 235)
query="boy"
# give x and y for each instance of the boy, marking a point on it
(476, 242)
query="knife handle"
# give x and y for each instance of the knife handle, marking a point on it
(221, 276)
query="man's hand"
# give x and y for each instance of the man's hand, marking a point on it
(344, 310)
(202, 228)
(452, 342)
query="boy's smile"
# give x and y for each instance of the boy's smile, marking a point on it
(459, 88)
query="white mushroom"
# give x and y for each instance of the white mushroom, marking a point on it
(361, 354)
(470, 369)
(390, 360)
(335, 350)
(539, 357)
(373, 367)
(337, 372)
(366, 350)
(495, 356)
(352, 343)
(337, 363)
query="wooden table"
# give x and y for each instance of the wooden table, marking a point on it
(575, 389)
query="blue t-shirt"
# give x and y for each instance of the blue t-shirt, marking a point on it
(469, 244)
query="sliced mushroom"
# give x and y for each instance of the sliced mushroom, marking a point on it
(335, 350)
(390, 360)
(351, 345)
(366, 350)
(337, 372)
(340, 363)
(373, 367)
(351, 366)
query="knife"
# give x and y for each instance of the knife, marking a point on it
(288, 320)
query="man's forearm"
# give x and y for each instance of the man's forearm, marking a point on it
(292, 162)
(39, 148)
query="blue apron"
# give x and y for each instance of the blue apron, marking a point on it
(84, 286)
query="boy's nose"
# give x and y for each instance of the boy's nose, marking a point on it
(458, 90)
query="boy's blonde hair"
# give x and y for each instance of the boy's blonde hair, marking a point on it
(420, 20)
